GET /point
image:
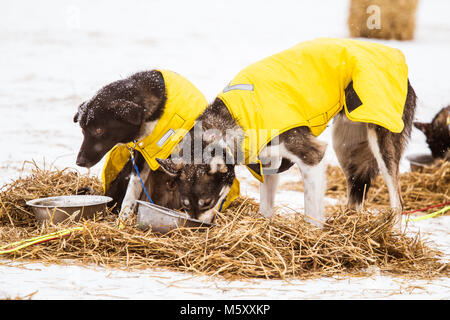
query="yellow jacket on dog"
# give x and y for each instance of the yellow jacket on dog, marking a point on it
(184, 104)
(305, 86)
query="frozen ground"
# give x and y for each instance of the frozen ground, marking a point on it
(55, 54)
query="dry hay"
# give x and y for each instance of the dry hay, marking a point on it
(397, 19)
(418, 189)
(41, 183)
(243, 245)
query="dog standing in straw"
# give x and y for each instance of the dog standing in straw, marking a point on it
(269, 116)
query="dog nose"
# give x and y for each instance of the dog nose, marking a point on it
(207, 216)
(81, 161)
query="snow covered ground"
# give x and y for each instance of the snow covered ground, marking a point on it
(55, 54)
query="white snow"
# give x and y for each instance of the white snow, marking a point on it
(57, 54)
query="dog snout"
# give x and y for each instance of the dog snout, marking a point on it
(82, 161)
(207, 216)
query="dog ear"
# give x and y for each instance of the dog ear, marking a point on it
(129, 111)
(75, 117)
(422, 126)
(171, 168)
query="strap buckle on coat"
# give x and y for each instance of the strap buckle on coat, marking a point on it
(132, 149)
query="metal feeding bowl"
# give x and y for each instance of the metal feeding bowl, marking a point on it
(418, 161)
(162, 219)
(58, 209)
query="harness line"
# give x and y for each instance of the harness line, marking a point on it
(137, 170)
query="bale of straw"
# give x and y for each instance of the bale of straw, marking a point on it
(396, 19)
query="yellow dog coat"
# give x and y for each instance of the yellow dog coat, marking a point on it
(184, 104)
(305, 86)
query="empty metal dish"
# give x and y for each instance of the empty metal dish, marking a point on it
(58, 209)
(418, 161)
(162, 219)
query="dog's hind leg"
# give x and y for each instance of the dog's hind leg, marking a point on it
(387, 153)
(355, 157)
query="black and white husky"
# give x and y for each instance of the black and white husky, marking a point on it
(121, 112)
(363, 150)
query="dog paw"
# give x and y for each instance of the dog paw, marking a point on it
(127, 210)
(266, 213)
(314, 222)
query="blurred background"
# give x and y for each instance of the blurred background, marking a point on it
(54, 54)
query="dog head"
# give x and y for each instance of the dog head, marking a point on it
(116, 114)
(104, 125)
(202, 187)
(437, 133)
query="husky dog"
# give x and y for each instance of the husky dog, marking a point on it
(437, 133)
(121, 112)
(363, 150)
(265, 93)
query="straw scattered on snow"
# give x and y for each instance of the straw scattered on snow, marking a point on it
(242, 246)
(41, 183)
(418, 189)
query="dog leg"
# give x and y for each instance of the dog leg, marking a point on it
(355, 158)
(386, 158)
(270, 156)
(303, 148)
(314, 182)
(267, 194)
(133, 192)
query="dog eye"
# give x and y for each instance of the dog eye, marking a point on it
(205, 202)
(99, 131)
(186, 203)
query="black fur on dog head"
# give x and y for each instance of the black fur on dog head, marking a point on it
(202, 187)
(117, 112)
(204, 174)
(437, 133)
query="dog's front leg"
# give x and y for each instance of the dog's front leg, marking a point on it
(271, 158)
(133, 192)
(267, 194)
(314, 182)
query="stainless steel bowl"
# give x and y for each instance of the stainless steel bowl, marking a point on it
(58, 209)
(162, 219)
(418, 161)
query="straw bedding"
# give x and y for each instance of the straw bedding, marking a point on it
(41, 183)
(418, 189)
(241, 246)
